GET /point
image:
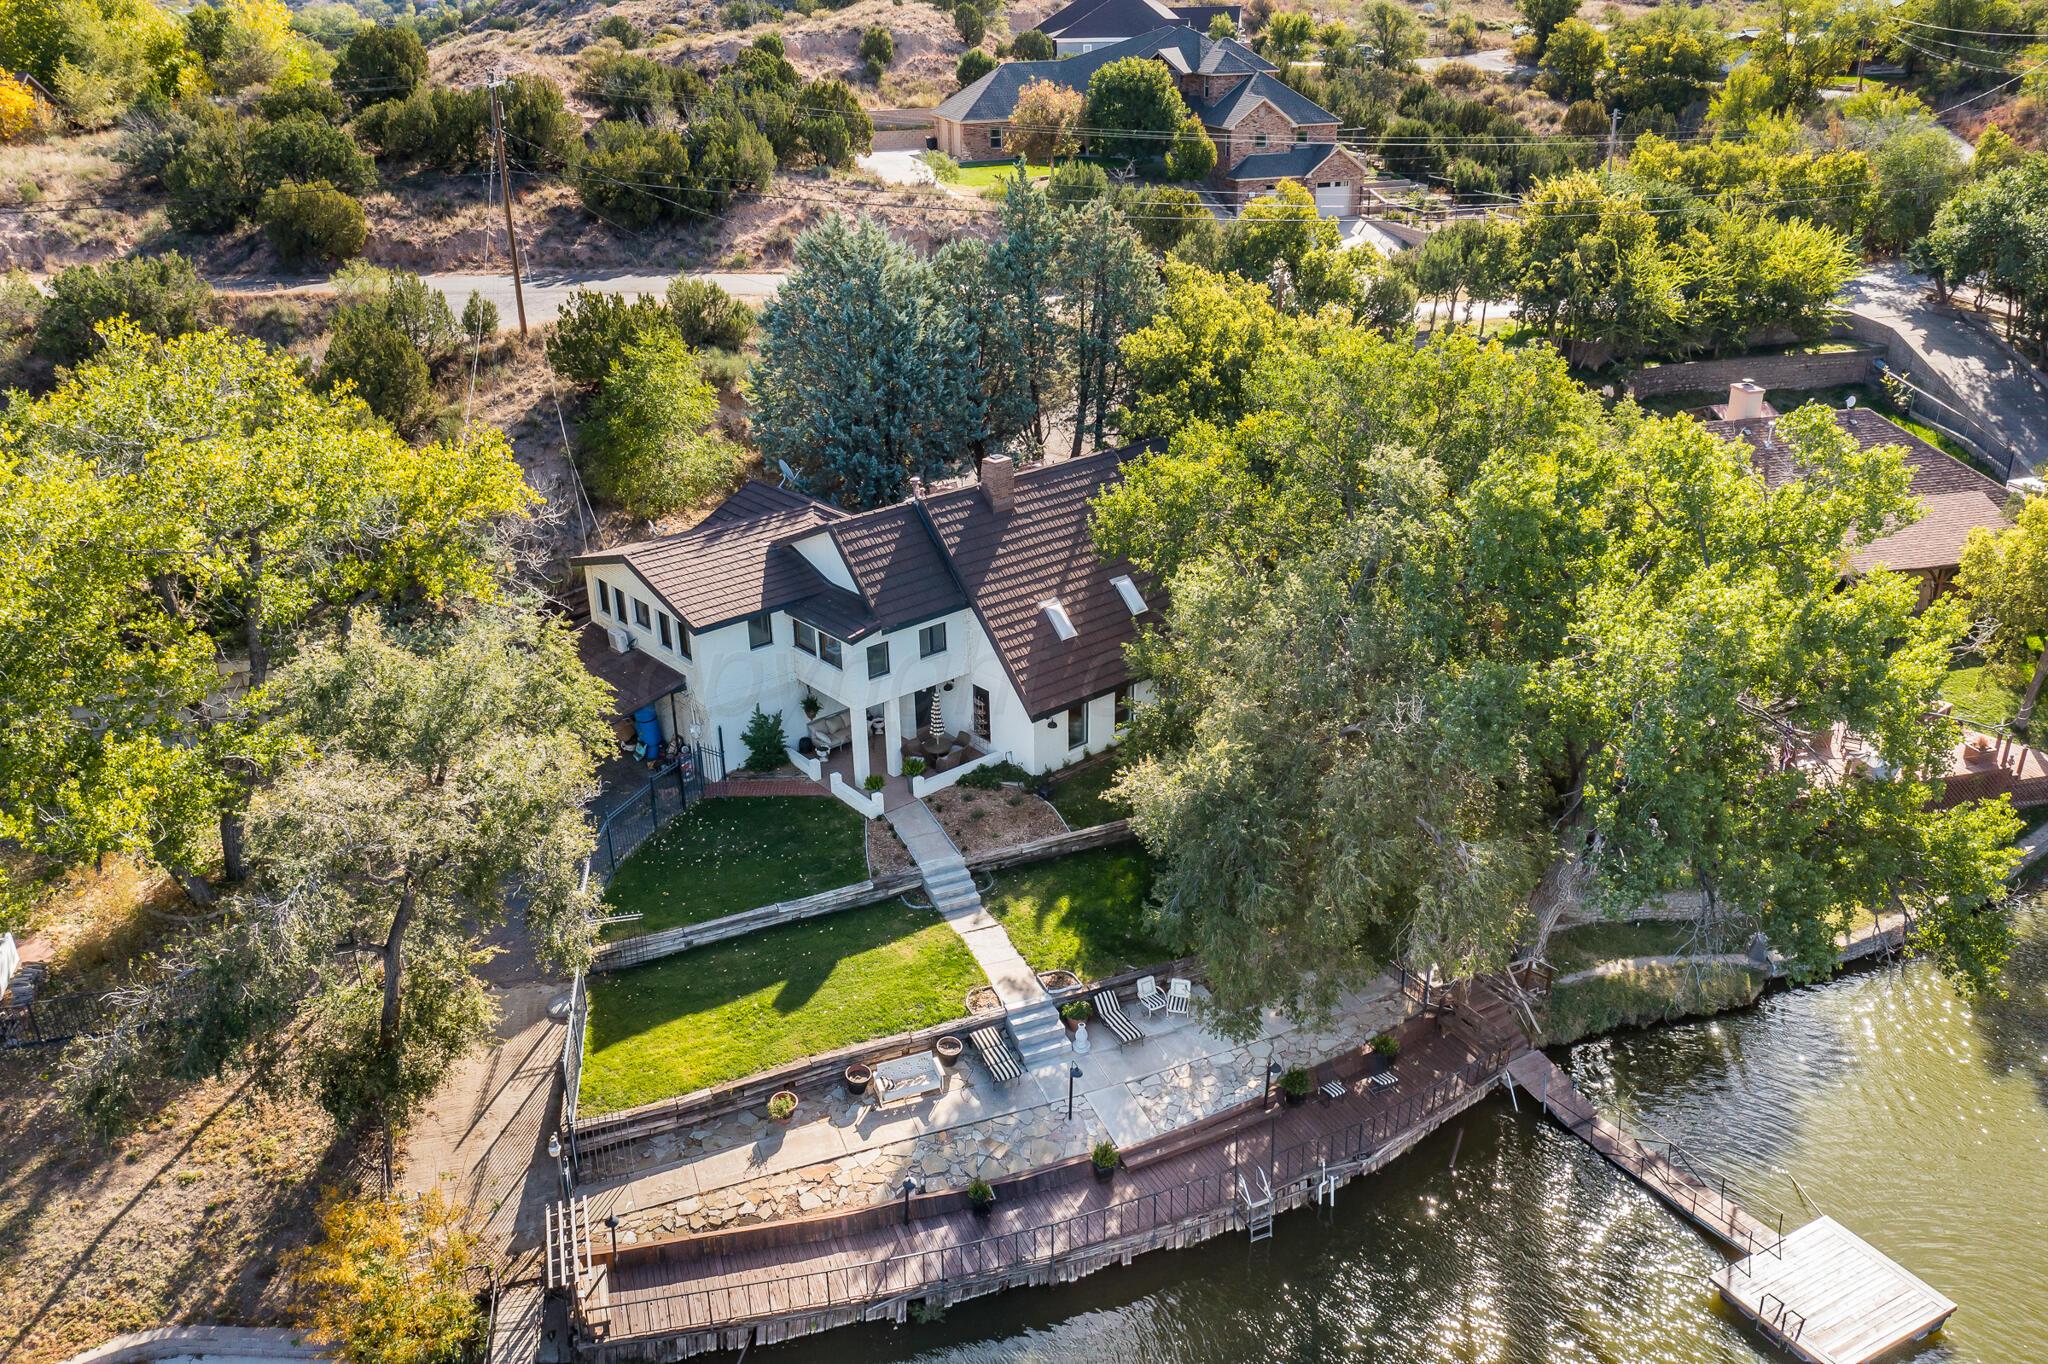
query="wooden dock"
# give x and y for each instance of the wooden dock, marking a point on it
(1821, 1292)
(1830, 1297)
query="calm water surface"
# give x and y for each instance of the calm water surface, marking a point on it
(1917, 1120)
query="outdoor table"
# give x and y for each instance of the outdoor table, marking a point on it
(908, 1077)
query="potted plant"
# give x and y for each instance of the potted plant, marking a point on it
(858, 1078)
(913, 767)
(948, 1048)
(810, 704)
(781, 1106)
(1076, 1012)
(1105, 1157)
(981, 1196)
(875, 782)
(1387, 1045)
(1295, 1083)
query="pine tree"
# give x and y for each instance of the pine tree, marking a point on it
(1111, 287)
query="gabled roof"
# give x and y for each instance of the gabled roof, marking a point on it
(731, 564)
(1124, 18)
(993, 98)
(1042, 550)
(1239, 100)
(901, 572)
(1290, 163)
(1955, 498)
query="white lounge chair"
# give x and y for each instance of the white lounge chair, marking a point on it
(1112, 1015)
(1180, 994)
(1149, 996)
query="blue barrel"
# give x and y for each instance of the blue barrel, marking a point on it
(648, 728)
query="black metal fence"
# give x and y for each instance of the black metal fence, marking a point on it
(667, 792)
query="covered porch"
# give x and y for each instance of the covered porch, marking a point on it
(941, 726)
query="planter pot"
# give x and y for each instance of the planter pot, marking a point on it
(982, 1210)
(1105, 1173)
(858, 1078)
(1292, 1099)
(784, 1120)
(948, 1048)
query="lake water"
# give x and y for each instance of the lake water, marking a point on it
(1917, 1120)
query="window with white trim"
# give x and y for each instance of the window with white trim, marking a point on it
(1259, 140)
(1077, 726)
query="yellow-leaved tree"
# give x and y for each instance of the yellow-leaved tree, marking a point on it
(388, 1282)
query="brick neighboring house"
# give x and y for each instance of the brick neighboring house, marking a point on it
(1955, 499)
(1088, 24)
(1264, 131)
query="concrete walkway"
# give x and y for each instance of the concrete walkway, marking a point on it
(951, 887)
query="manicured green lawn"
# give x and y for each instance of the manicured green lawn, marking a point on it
(723, 856)
(1083, 799)
(981, 177)
(1980, 695)
(724, 1012)
(1083, 913)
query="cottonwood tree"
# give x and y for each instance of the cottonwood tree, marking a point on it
(1043, 124)
(388, 1281)
(2005, 575)
(176, 515)
(1444, 638)
(440, 779)
(651, 432)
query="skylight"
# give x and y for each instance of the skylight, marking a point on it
(1062, 623)
(1128, 590)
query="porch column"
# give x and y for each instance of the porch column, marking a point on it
(858, 742)
(892, 735)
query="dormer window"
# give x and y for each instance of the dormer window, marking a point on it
(1062, 623)
(1128, 590)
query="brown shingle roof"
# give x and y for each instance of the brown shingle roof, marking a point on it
(900, 570)
(1042, 549)
(637, 678)
(1955, 497)
(730, 566)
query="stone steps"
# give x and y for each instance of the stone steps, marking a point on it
(1039, 1033)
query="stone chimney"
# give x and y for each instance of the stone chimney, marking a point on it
(1745, 401)
(999, 482)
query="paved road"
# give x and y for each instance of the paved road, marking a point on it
(546, 291)
(898, 167)
(2002, 396)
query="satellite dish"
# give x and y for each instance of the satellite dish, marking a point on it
(789, 477)
(1851, 402)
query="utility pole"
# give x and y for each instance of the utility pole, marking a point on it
(505, 180)
(1613, 137)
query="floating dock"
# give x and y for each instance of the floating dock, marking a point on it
(1821, 1292)
(1832, 1298)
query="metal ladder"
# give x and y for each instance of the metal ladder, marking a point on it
(1258, 1212)
(1326, 1185)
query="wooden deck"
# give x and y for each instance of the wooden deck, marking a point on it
(1821, 1291)
(1828, 1297)
(780, 1280)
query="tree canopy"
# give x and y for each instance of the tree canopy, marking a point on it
(1448, 643)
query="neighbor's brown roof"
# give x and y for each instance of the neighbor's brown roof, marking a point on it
(732, 564)
(1042, 548)
(1956, 498)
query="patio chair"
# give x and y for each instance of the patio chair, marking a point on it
(1180, 993)
(1149, 996)
(996, 1054)
(1112, 1015)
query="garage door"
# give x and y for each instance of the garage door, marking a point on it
(1333, 201)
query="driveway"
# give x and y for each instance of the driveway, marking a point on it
(2002, 399)
(898, 168)
(1500, 61)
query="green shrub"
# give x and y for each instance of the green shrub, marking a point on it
(1077, 182)
(651, 433)
(913, 767)
(479, 319)
(1105, 1155)
(320, 101)
(1191, 155)
(767, 747)
(398, 299)
(540, 132)
(943, 166)
(980, 1192)
(1387, 1045)
(385, 62)
(707, 316)
(312, 223)
(384, 369)
(206, 179)
(1077, 1011)
(974, 63)
(968, 23)
(727, 369)
(621, 30)
(994, 775)
(163, 295)
(634, 175)
(875, 781)
(782, 1105)
(1295, 1082)
(444, 129)
(877, 45)
(593, 329)
(306, 148)
(1032, 45)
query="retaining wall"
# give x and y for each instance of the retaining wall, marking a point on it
(1820, 370)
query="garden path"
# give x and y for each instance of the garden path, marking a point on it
(951, 887)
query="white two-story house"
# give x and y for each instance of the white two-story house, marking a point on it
(980, 611)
